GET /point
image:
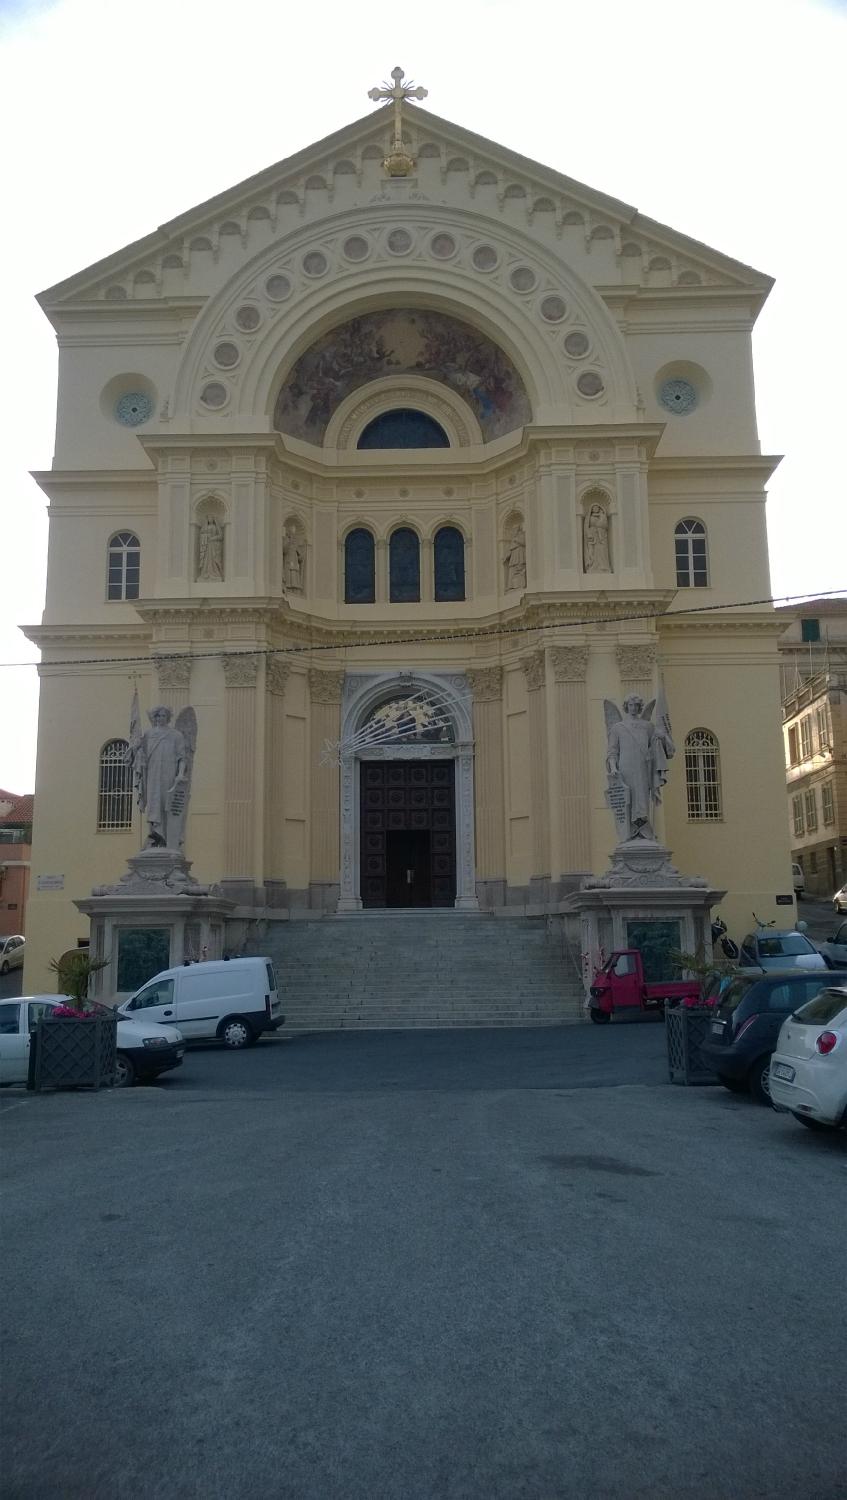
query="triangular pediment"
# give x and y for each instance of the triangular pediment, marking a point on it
(180, 259)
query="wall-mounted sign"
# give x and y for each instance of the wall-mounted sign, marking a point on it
(785, 900)
(50, 882)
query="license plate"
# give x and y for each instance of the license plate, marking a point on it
(782, 1070)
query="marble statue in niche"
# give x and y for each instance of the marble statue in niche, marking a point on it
(595, 540)
(293, 561)
(515, 558)
(210, 551)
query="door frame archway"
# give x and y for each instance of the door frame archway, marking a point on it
(362, 693)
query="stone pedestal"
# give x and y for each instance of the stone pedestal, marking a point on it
(642, 902)
(156, 916)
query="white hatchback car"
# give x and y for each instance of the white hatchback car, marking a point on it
(12, 951)
(144, 1050)
(808, 1073)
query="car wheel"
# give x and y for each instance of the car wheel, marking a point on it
(735, 1085)
(811, 1124)
(236, 1033)
(758, 1080)
(124, 1071)
(599, 1017)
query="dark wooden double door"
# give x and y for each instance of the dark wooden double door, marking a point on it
(408, 833)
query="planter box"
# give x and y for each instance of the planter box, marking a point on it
(687, 1027)
(67, 1053)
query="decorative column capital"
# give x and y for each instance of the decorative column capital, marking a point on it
(486, 683)
(173, 671)
(534, 672)
(570, 663)
(276, 675)
(325, 687)
(636, 662)
(241, 669)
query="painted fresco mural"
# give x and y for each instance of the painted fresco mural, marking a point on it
(402, 342)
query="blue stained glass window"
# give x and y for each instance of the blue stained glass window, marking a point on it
(403, 428)
(359, 567)
(404, 567)
(449, 563)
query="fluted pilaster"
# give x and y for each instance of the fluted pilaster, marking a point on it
(241, 672)
(325, 695)
(487, 687)
(570, 776)
(536, 675)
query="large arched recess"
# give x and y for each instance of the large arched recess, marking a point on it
(316, 305)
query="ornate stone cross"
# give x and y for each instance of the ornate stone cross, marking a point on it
(399, 162)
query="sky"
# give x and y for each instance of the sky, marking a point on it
(724, 120)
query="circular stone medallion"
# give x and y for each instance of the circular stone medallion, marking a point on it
(523, 279)
(226, 354)
(576, 344)
(442, 246)
(485, 257)
(399, 241)
(214, 394)
(553, 309)
(356, 247)
(589, 383)
(278, 287)
(314, 263)
(133, 408)
(678, 395)
(248, 318)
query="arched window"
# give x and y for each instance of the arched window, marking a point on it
(703, 776)
(114, 793)
(404, 567)
(449, 552)
(404, 428)
(692, 563)
(359, 578)
(124, 566)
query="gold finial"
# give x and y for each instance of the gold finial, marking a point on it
(399, 162)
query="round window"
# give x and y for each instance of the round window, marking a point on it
(678, 395)
(133, 408)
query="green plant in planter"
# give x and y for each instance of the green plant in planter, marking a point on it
(74, 970)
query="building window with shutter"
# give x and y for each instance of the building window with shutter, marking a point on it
(823, 727)
(114, 796)
(797, 810)
(827, 803)
(702, 776)
(811, 811)
(810, 630)
(793, 755)
(805, 737)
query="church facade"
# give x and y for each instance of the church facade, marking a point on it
(395, 462)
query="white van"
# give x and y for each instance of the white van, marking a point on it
(232, 999)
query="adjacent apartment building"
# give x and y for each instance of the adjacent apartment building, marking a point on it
(16, 814)
(814, 712)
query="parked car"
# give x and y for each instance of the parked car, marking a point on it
(839, 900)
(834, 950)
(12, 952)
(771, 948)
(798, 880)
(745, 1028)
(144, 1050)
(234, 1000)
(809, 1067)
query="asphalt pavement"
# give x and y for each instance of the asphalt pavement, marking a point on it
(466, 1266)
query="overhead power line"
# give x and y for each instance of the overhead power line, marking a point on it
(431, 638)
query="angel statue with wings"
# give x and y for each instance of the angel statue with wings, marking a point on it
(637, 755)
(162, 759)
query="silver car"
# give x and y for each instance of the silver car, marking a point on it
(11, 952)
(770, 948)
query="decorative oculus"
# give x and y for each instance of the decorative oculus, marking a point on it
(248, 318)
(133, 408)
(278, 287)
(523, 279)
(314, 263)
(678, 395)
(356, 247)
(399, 241)
(576, 344)
(553, 309)
(485, 257)
(227, 354)
(214, 394)
(589, 383)
(443, 246)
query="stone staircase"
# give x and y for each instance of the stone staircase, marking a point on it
(387, 970)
